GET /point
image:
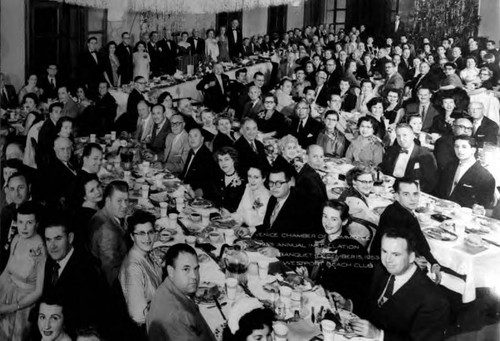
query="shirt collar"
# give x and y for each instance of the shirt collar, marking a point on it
(400, 280)
(62, 263)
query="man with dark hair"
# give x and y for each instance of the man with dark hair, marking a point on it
(406, 159)
(347, 97)
(304, 127)
(173, 314)
(124, 54)
(401, 214)
(49, 82)
(444, 147)
(236, 88)
(107, 231)
(154, 51)
(168, 49)
(452, 80)
(90, 70)
(423, 107)
(403, 304)
(250, 150)
(47, 135)
(130, 117)
(74, 277)
(161, 128)
(234, 37)
(393, 80)
(105, 111)
(465, 181)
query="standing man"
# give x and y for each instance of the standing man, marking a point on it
(107, 230)
(406, 159)
(397, 28)
(173, 314)
(215, 85)
(197, 44)
(235, 39)
(90, 68)
(155, 52)
(168, 53)
(124, 54)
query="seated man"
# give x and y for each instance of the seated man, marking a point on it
(466, 181)
(105, 110)
(50, 319)
(423, 107)
(71, 108)
(176, 145)
(406, 159)
(199, 168)
(75, 278)
(404, 304)
(304, 127)
(254, 105)
(215, 86)
(144, 122)
(47, 135)
(250, 150)
(186, 110)
(107, 233)
(161, 128)
(173, 314)
(400, 214)
(444, 147)
(128, 120)
(483, 128)
(61, 174)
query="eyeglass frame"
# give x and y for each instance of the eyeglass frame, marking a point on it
(277, 184)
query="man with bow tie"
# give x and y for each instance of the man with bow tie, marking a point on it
(155, 51)
(197, 44)
(124, 54)
(89, 67)
(235, 39)
(168, 53)
(406, 159)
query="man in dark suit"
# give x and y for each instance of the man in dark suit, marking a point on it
(236, 89)
(246, 49)
(250, 150)
(466, 181)
(287, 69)
(161, 128)
(311, 189)
(8, 97)
(235, 39)
(89, 67)
(61, 174)
(124, 54)
(130, 117)
(168, 53)
(406, 159)
(456, 53)
(199, 170)
(322, 90)
(304, 127)
(253, 107)
(154, 53)
(403, 302)
(401, 215)
(347, 97)
(483, 128)
(333, 73)
(424, 108)
(393, 80)
(105, 109)
(284, 211)
(49, 82)
(444, 149)
(427, 80)
(215, 86)
(48, 134)
(107, 233)
(197, 44)
(397, 28)
(75, 278)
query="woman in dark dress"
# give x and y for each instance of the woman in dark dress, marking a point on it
(394, 112)
(225, 136)
(270, 121)
(30, 107)
(230, 186)
(89, 192)
(111, 65)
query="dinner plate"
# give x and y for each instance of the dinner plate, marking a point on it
(201, 203)
(224, 222)
(206, 292)
(439, 234)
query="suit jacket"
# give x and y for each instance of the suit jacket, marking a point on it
(215, 96)
(222, 140)
(291, 217)
(247, 51)
(234, 46)
(246, 155)
(308, 134)
(348, 101)
(396, 216)
(397, 33)
(176, 154)
(124, 54)
(157, 143)
(395, 82)
(71, 109)
(324, 96)
(486, 132)
(155, 55)
(200, 46)
(250, 110)
(413, 108)
(82, 289)
(168, 56)
(46, 138)
(334, 78)
(235, 90)
(200, 174)
(90, 70)
(49, 91)
(476, 186)
(417, 311)
(105, 109)
(60, 180)
(421, 166)
(9, 101)
(133, 99)
(444, 152)
(107, 243)
(285, 70)
(312, 192)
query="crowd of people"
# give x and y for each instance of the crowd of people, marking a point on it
(77, 265)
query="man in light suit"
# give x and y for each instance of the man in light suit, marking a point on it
(403, 304)
(144, 123)
(483, 128)
(393, 80)
(215, 86)
(255, 105)
(107, 232)
(424, 108)
(467, 182)
(161, 128)
(176, 145)
(406, 159)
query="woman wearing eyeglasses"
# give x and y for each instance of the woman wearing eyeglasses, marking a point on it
(360, 181)
(139, 275)
(367, 148)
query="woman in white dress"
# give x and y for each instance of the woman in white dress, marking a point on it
(211, 46)
(141, 61)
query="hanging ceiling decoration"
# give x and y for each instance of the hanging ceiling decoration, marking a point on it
(180, 6)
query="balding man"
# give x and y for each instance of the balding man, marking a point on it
(483, 128)
(61, 174)
(176, 145)
(214, 87)
(255, 105)
(186, 110)
(161, 128)
(144, 122)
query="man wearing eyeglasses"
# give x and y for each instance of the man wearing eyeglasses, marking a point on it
(443, 148)
(176, 145)
(284, 211)
(133, 99)
(483, 128)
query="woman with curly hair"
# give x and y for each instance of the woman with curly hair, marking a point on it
(230, 185)
(367, 148)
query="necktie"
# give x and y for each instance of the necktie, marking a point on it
(275, 212)
(190, 158)
(301, 127)
(254, 147)
(457, 177)
(422, 112)
(52, 82)
(475, 126)
(388, 291)
(55, 273)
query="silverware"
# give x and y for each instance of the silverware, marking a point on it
(247, 290)
(214, 306)
(491, 242)
(313, 320)
(217, 304)
(445, 230)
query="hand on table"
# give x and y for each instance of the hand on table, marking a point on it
(341, 301)
(364, 328)
(302, 271)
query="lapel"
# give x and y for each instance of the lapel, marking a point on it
(410, 167)
(469, 174)
(269, 210)
(168, 145)
(403, 293)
